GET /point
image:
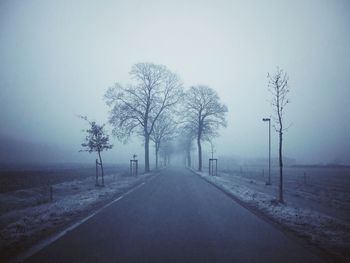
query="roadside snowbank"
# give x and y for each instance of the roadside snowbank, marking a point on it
(325, 231)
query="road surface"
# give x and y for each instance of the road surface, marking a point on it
(175, 217)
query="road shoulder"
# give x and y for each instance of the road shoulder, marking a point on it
(273, 218)
(57, 218)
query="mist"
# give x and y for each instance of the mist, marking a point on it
(59, 58)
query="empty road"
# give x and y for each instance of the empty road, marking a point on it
(175, 217)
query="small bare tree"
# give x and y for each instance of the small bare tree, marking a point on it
(96, 140)
(163, 130)
(278, 87)
(136, 108)
(204, 114)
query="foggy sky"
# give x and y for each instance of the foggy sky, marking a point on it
(59, 57)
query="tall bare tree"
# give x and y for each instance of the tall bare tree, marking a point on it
(204, 114)
(96, 140)
(185, 142)
(135, 108)
(278, 87)
(166, 150)
(163, 130)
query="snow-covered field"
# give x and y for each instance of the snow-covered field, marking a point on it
(28, 215)
(316, 205)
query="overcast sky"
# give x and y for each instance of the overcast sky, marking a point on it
(59, 57)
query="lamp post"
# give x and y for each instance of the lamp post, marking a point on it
(269, 120)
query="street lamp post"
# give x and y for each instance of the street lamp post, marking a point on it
(269, 120)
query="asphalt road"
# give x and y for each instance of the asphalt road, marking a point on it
(175, 217)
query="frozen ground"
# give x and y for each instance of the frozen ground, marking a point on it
(315, 208)
(28, 215)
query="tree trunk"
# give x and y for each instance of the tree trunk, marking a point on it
(281, 167)
(147, 153)
(188, 158)
(157, 150)
(199, 154)
(103, 180)
(96, 164)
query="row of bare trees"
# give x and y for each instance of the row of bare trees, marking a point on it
(164, 130)
(156, 107)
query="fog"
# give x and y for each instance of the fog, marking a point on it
(59, 57)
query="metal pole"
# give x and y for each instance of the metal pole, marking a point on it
(269, 152)
(137, 164)
(269, 179)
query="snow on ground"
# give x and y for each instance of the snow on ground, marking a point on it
(28, 215)
(327, 232)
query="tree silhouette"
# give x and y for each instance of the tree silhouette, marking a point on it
(278, 87)
(166, 150)
(204, 114)
(185, 141)
(163, 130)
(136, 108)
(96, 140)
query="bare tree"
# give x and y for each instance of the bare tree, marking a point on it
(185, 142)
(166, 150)
(163, 130)
(96, 140)
(278, 87)
(136, 108)
(204, 114)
